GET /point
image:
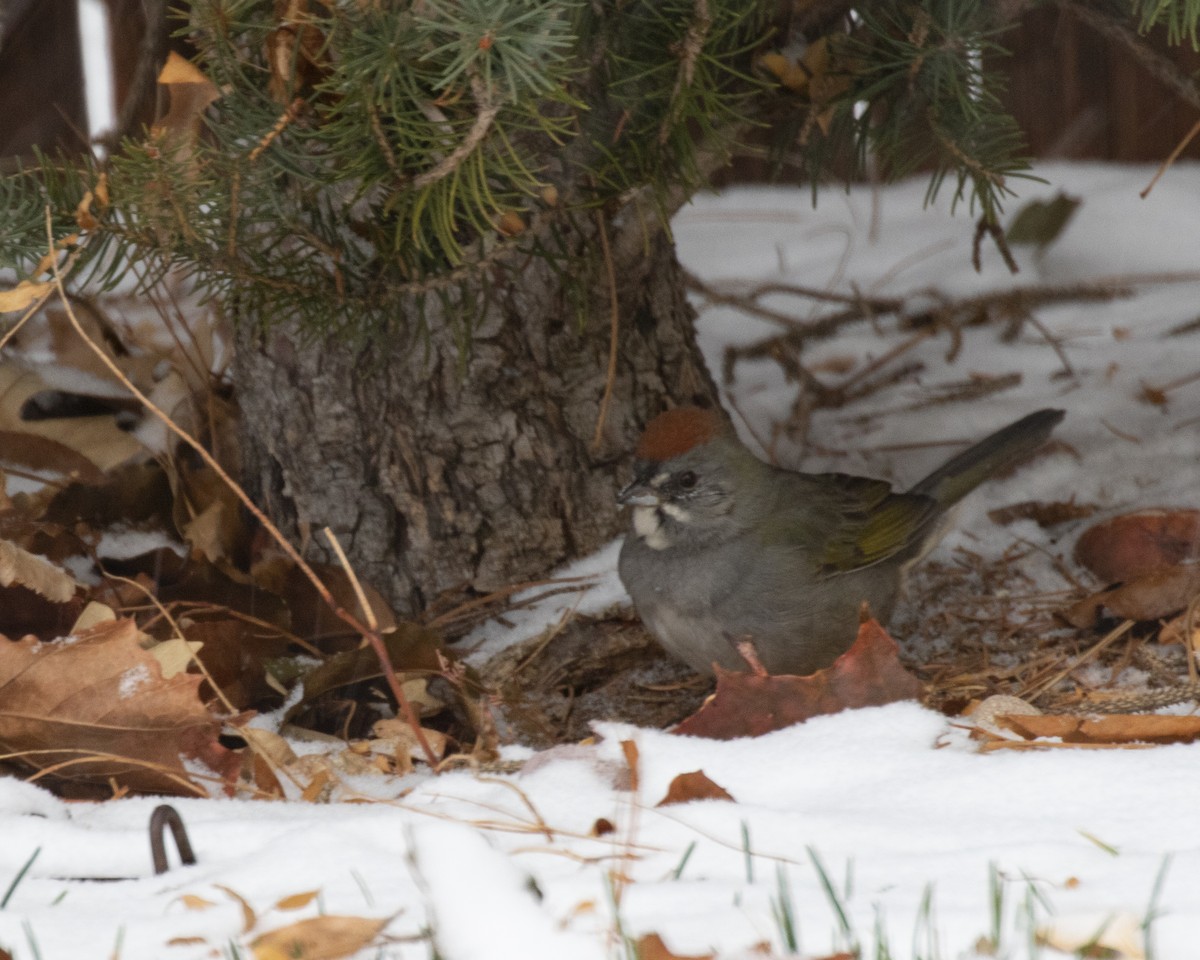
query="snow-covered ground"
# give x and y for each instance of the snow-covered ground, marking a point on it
(871, 827)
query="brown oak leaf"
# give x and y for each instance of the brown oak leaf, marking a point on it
(95, 708)
(693, 786)
(650, 946)
(750, 704)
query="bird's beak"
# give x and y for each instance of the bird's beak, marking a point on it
(638, 494)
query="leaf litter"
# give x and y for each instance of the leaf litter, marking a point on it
(214, 594)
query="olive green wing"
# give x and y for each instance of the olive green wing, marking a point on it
(847, 523)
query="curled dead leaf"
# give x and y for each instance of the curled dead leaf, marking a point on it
(749, 704)
(1115, 728)
(96, 438)
(36, 573)
(1136, 544)
(189, 93)
(22, 295)
(1160, 593)
(296, 51)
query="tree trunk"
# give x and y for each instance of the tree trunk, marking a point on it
(450, 466)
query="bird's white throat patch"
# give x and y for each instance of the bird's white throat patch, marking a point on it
(648, 525)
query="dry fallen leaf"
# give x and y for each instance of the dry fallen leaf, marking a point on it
(1136, 544)
(94, 614)
(95, 708)
(650, 946)
(297, 900)
(22, 295)
(36, 573)
(749, 704)
(96, 438)
(43, 457)
(693, 786)
(194, 902)
(987, 717)
(1116, 728)
(190, 93)
(1119, 936)
(1152, 596)
(249, 918)
(318, 938)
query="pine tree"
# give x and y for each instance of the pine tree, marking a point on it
(440, 228)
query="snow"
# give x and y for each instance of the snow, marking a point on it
(894, 806)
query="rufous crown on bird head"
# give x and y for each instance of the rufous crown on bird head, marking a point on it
(677, 431)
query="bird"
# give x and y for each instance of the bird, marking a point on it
(724, 548)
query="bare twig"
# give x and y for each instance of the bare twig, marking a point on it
(614, 321)
(286, 119)
(1171, 158)
(1033, 692)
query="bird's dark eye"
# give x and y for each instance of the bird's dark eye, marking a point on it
(687, 480)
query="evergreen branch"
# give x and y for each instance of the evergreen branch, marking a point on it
(690, 49)
(1182, 18)
(488, 109)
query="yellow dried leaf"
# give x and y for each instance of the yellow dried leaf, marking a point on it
(297, 900)
(320, 938)
(38, 574)
(190, 93)
(194, 902)
(319, 786)
(22, 295)
(270, 746)
(1120, 934)
(83, 213)
(175, 655)
(179, 69)
(96, 438)
(93, 614)
(248, 917)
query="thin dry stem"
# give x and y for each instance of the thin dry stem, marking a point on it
(286, 119)
(1032, 693)
(359, 594)
(1171, 158)
(373, 637)
(614, 327)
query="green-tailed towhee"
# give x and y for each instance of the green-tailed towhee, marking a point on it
(724, 547)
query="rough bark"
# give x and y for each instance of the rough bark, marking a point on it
(439, 470)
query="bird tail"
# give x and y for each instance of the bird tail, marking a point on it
(954, 480)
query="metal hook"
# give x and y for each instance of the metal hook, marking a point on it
(164, 816)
